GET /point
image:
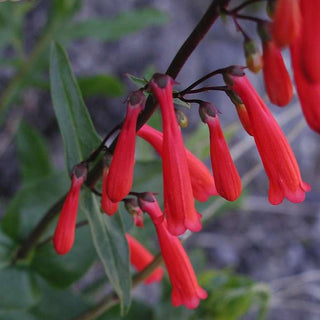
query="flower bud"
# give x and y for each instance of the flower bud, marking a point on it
(253, 56)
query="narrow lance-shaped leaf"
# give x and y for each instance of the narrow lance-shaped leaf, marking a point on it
(76, 127)
(33, 154)
(109, 239)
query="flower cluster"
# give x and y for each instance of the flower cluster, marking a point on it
(186, 178)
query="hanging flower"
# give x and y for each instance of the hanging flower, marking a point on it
(225, 173)
(202, 181)
(185, 287)
(308, 92)
(276, 77)
(63, 237)
(140, 257)
(310, 37)
(286, 22)
(120, 174)
(276, 154)
(178, 196)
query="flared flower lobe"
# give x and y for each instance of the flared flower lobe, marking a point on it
(202, 181)
(140, 257)
(286, 23)
(185, 287)
(276, 77)
(63, 237)
(120, 174)
(276, 154)
(179, 201)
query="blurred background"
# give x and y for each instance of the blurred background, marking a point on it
(105, 40)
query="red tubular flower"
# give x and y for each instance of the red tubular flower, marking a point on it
(109, 207)
(310, 47)
(120, 175)
(179, 201)
(185, 287)
(286, 22)
(140, 257)
(202, 181)
(225, 173)
(309, 93)
(276, 154)
(276, 77)
(64, 234)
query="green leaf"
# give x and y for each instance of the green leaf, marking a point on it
(231, 296)
(116, 28)
(109, 239)
(139, 82)
(76, 127)
(138, 310)
(62, 271)
(30, 204)
(33, 153)
(18, 289)
(16, 315)
(6, 250)
(58, 304)
(103, 85)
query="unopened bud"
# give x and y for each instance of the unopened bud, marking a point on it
(181, 118)
(253, 56)
(207, 109)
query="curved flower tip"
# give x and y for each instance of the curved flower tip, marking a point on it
(191, 303)
(277, 193)
(179, 201)
(276, 154)
(108, 207)
(63, 237)
(120, 175)
(286, 24)
(276, 77)
(202, 182)
(140, 257)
